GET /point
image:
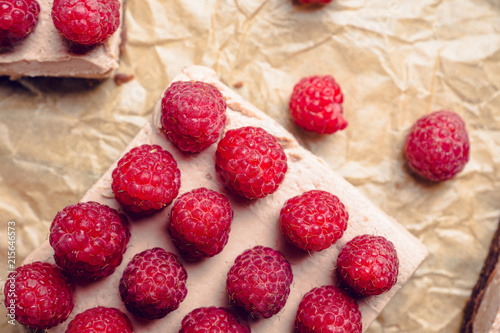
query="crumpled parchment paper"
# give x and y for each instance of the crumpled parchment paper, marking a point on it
(395, 61)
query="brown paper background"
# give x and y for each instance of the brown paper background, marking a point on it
(395, 61)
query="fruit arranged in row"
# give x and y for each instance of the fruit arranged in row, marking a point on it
(89, 238)
(154, 284)
(84, 22)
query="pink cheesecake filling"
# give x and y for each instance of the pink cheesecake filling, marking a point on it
(254, 223)
(45, 52)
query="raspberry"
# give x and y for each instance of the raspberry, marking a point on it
(193, 114)
(250, 162)
(437, 146)
(86, 22)
(153, 284)
(146, 179)
(100, 320)
(213, 320)
(259, 281)
(200, 223)
(89, 240)
(39, 295)
(18, 18)
(368, 264)
(316, 105)
(321, 2)
(328, 309)
(314, 220)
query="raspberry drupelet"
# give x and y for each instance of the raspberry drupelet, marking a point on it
(18, 18)
(316, 105)
(314, 220)
(86, 22)
(259, 281)
(437, 146)
(43, 296)
(146, 179)
(193, 114)
(153, 284)
(200, 222)
(100, 320)
(368, 264)
(328, 309)
(250, 162)
(89, 240)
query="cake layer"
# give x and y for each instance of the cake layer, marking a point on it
(45, 52)
(482, 312)
(488, 315)
(255, 223)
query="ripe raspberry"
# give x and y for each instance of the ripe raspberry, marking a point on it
(250, 162)
(89, 240)
(259, 281)
(193, 114)
(18, 18)
(316, 105)
(153, 284)
(437, 147)
(328, 309)
(100, 320)
(314, 220)
(213, 320)
(146, 179)
(368, 264)
(39, 295)
(200, 223)
(321, 2)
(86, 22)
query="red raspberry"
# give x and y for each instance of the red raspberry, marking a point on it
(100, 320)
(437, 147)
(328, 309)
(200, 223)
(368, 264)
(250, 162)
(316, 105)
(213, 320)
(89, 240)
(86, 22)
(321, 2)
(193, 114)
(146, 179)
(314, 220)
(259, 281)
(153, 284)
(39, 295)
(18, 18)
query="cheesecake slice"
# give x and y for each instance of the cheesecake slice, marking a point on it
(45, 52)
(482, 312)
(255, 223)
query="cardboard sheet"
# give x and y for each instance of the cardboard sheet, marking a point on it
(395, 62)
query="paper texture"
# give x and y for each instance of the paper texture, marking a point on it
(395, 62)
